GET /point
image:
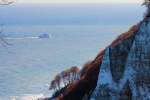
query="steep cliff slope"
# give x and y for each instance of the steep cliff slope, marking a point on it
(125, 69)
(119, 72)
(108, 68)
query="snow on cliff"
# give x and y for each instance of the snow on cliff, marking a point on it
(119, 72)
(111, 74)
(131, 72)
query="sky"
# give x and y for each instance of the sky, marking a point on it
(79, 1)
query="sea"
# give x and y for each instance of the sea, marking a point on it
(77, 33)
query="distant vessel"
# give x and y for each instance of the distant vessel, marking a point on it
(44, 36)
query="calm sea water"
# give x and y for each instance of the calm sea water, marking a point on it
(29, 63)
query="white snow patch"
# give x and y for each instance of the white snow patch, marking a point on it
(27, 97)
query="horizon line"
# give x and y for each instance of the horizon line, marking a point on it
(76, 3)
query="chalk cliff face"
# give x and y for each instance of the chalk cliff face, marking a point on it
(125, 70)
(119, 72)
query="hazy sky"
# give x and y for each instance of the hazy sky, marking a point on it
(79, 1)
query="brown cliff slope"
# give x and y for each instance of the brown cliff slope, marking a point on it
(87, 83)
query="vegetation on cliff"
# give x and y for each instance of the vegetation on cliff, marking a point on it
(86, 86)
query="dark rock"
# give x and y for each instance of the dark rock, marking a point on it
(44, 36)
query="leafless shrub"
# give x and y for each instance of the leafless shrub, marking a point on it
(65, 77)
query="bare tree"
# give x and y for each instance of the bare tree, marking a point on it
(65, 78)
(6, 2)
(2, 38)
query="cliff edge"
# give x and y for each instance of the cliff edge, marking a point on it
(119, 72)
(107, 70)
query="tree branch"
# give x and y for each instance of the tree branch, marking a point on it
(2, 38)
(6, 2)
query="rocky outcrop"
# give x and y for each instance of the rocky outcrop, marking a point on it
(106, 69)
(119, 72)
(125, 70)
